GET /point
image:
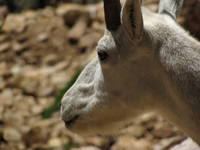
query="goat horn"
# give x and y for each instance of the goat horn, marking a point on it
(112, 10)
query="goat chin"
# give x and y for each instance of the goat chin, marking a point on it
(111, 129)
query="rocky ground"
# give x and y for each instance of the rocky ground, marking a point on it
(40, 52)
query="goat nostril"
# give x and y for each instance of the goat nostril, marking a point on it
(102, 55)
(70, 122)
(81, 106)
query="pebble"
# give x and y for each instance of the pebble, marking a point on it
(86, 148)
(12, 135)
(130, 143)
(3, 38)
(97, 141)
(43, 37)
(15, 23)
(2, 83)
(55, 142)
(4, 47)
(188, 144)
(136, 131)
(17, 47)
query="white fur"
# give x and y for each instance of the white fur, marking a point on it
(159, 72)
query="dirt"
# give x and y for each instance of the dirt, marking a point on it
(40, 51)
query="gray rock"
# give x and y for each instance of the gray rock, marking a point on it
(86, 148)
(188, 144)
(4, 47)
(12, 135)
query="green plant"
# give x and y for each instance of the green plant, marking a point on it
(70, 145)
(56, 106)
(1, 27)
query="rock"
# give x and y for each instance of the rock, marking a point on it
(136, 131)
(97, 141)
(70, 13)
(43, 37)
(48, 12)
(130, 143)
(163, 130)
(29, 85)
(167, 143)
(3, 13)
(88, 41)
(15, 23)
(36, 135)
(36, 109)
(55, 142)
(18, 48)
(5, 47)
(45, 91)
(4, 69)
(30, 14)
(188, 144)
(86, 148)
(78, 30)
(3, 38)
(12, 135)
(17, 70)
(2, 83)
(50, 59)
(84, 1)
(7, 95)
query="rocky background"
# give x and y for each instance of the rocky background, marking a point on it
(41, 53)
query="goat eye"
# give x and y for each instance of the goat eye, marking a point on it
(102, 55)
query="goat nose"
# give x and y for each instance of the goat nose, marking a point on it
(70, 122)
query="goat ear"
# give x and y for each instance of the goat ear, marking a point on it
(170, 7)
(132, 19)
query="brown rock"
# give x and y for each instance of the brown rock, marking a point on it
(4, 69)
(188, 144)
(88, 41)
(2, 83)
(17, 70)
(3, 12)
(12, 135)
(163, 130)
(97, 141)
(29, 85)
(54, 142)
(3, 38)
(130, 143)
(78, 29)
(43, 37)
(15, 23)
(86, 148)
(70, 13)
(136, 131)
(17, 47)
(5, 47)
(167, 143)
(45, 91)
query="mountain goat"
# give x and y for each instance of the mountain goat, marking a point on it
(146, 63)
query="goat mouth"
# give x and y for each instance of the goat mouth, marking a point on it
(70, 122)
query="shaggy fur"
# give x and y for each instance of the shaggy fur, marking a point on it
(152, 65)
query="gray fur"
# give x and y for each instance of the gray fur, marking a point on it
(158, 71)
(170, 7)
